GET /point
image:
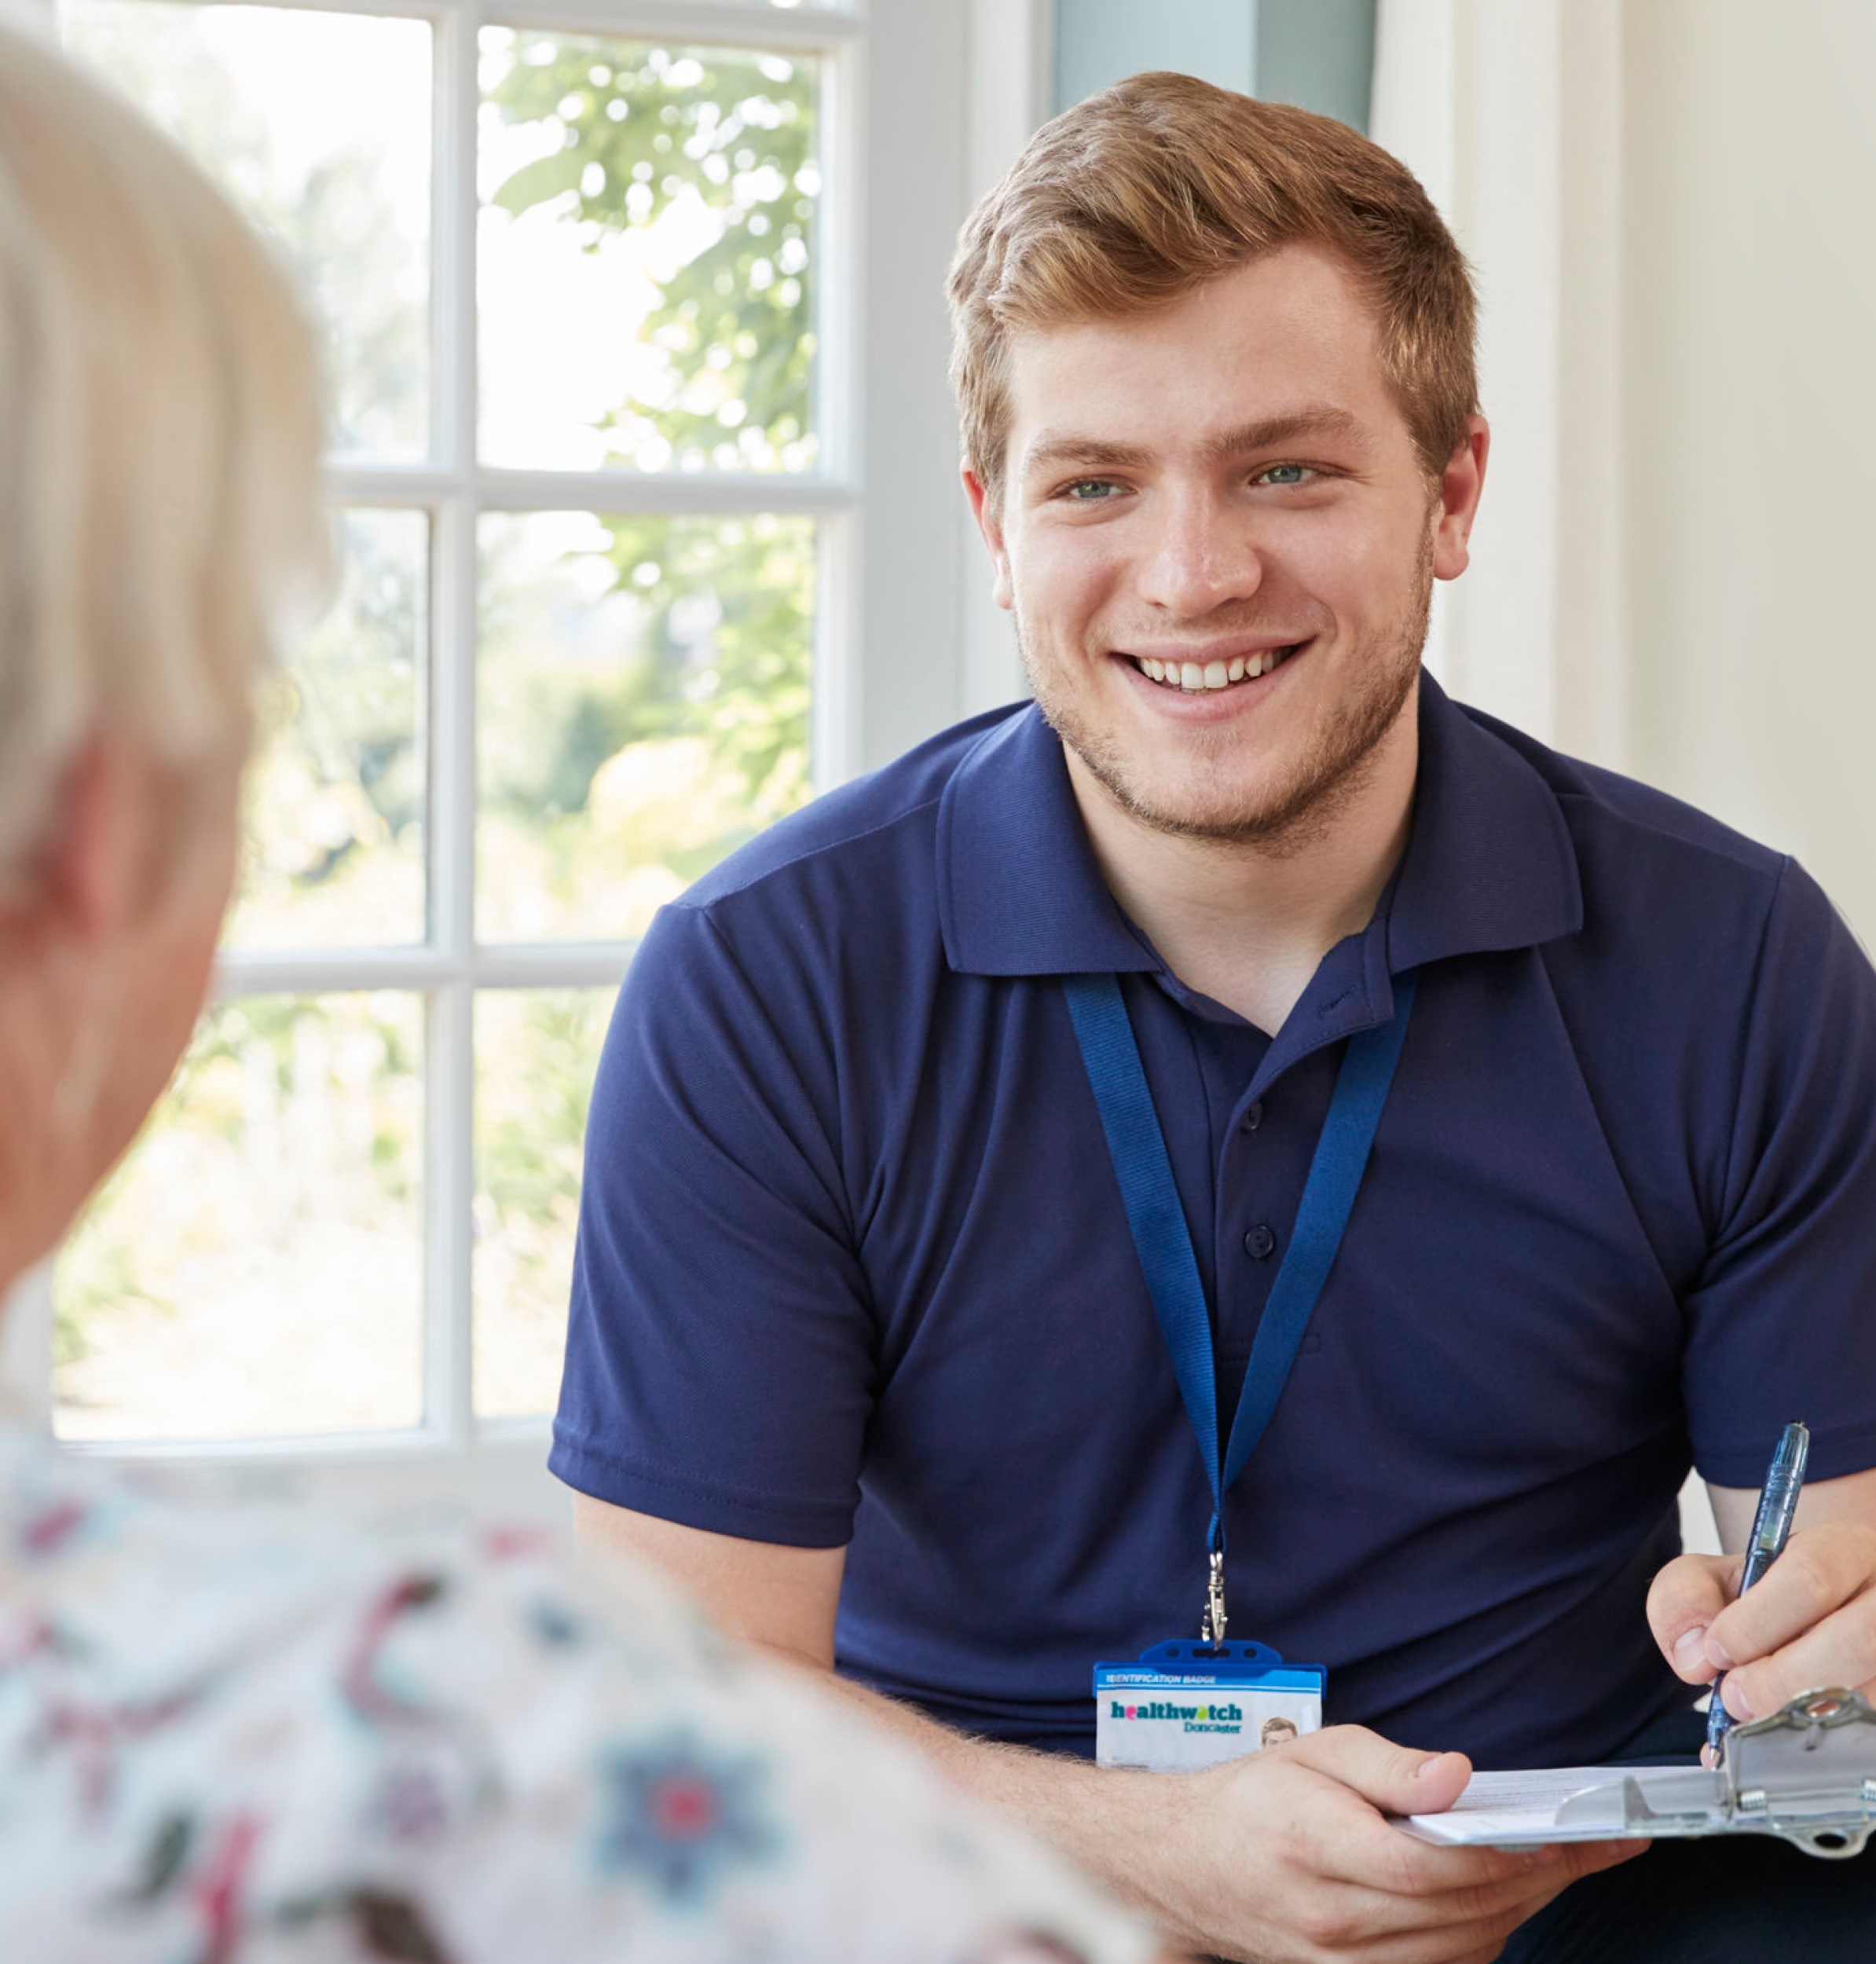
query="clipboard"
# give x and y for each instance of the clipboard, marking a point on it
(1806, 1774)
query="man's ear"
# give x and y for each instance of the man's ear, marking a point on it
(986, 510)
(1461, 484)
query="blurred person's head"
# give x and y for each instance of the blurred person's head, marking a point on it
(1213, 359)
(159, 437)
(1277, 1731)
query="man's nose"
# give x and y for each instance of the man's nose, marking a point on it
(1201, 557)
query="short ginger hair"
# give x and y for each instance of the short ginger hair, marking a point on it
(1145, 193)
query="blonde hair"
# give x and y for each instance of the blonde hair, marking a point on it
(1139, 195)
(160, 423)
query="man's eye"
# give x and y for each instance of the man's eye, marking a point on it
(1283, 473)
(1090, 490)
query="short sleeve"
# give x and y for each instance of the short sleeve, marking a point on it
(1782, 1323)
(720, 1342)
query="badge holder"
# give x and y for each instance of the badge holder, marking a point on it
(1182, 1706)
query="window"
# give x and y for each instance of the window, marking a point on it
(592, 279)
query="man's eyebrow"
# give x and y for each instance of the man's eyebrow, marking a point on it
(1052, 449)
(1320, 420)
(1049, 450)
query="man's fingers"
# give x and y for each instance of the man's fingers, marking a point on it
(1356, 1922)
(1540, 1873)
(1841, 1649)
(1476, 1914)
(1350, 1842)
(1590, 1858)
(1505, 1875)
(1376, 1893)
(1395, 1779)
(1479, 1943)
(1353, 1845)
(1683, 1602)
(1824, 1569)
(1399, 1864)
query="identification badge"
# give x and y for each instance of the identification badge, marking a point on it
(1184, 1705)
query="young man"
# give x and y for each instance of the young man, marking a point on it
(859, 1321)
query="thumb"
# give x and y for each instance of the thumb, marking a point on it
(1397, 1779)
(1683, 1599)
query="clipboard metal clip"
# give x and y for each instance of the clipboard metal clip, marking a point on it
(1808, 1772)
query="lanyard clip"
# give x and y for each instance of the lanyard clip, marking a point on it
(1211, 1632)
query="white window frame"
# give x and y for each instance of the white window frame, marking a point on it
(900, 649)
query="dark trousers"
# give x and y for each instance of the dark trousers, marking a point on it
(1739, 1900)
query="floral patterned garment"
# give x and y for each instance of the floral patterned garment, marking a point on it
(238, 1735)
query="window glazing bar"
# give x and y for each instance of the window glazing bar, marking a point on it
(449, 1053)
(720, 23)
(404, 487)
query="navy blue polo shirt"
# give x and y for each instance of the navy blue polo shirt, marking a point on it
(853, 1268)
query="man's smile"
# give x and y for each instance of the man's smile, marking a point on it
(1199, 669)
(1205, 670)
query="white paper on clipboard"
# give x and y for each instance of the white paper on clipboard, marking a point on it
(1806, 1774)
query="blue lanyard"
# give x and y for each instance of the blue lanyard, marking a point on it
(1158, 1221)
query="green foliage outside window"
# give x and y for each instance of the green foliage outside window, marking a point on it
(607, 786)
(641, 128)
(724, 654)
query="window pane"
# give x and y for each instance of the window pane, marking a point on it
(643, 703)
(645, 245)
(254, 1266)
(536, 1052)
(319, 124)
(334, 849)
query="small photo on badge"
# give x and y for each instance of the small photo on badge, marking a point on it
(1277, 1717)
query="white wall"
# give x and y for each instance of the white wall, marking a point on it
(1508, 110)
(1671, 205)
(1749, 351)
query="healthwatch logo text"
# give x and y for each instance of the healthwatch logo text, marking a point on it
(1205, 1718)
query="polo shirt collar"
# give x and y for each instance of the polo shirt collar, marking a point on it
(1020, 891)
(1490, 864)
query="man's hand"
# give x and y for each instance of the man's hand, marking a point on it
(1809, 1621)
(1288, 1860)
(1284, 1857)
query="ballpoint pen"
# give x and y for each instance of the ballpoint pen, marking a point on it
(1771, 1529)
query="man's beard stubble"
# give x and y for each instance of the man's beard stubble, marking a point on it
(1331, 775)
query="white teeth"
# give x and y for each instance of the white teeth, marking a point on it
(1210, 675)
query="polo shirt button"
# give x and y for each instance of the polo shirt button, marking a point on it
(1254, 1116)
(1260, 1244)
